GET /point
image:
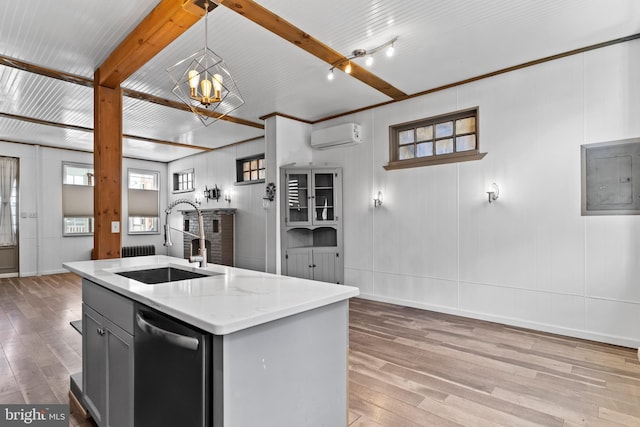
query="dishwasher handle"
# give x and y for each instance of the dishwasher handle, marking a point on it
(178, 340)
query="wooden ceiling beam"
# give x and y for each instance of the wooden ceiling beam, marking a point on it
(182, 106)
(83, 81)
(281, 27)
(157, 30)
(90, 130)
(47, 72)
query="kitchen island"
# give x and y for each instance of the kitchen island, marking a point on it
(277, 349)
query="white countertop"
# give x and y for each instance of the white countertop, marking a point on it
(234, 300)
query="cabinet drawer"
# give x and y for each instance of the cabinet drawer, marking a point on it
(114, 307)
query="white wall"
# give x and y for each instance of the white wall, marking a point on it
(530, 258)
(43, 249)
(287, 142)
(219, 168)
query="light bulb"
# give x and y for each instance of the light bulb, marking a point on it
(390, 51)
(194, 79)
(217, 86)
(205, 85)
(347, 69)
(330, 75)
(369, 61)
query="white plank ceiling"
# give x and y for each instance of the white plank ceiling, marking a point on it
(440, 42)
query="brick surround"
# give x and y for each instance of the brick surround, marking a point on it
(218, 232)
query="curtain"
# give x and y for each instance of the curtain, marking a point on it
(8, 187)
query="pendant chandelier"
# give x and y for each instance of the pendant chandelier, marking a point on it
(203, 81)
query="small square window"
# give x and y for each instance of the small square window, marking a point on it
(251, 169)
(183, 181)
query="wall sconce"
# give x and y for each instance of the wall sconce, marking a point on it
(227, 197)
(377, 201)
(269, 196)
(493, 192)
(212, 193)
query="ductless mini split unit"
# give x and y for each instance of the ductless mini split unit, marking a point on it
(336, 136)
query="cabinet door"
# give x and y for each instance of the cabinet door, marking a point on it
(94, 363)
(326, 264)
(119, 374)
(297, 196)
(299, 263)
(324, 197)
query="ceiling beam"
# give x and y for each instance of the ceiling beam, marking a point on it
(182, 106)
(90, 130)
(279, 26)
(47, 72)
(83, 81)
(157, 30)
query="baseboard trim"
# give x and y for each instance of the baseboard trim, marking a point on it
(7, 275)
(543, 327)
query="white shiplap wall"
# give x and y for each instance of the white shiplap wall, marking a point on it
(43, 249)
(219, 168)
(530, 258)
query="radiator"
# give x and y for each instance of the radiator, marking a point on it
(129, 251)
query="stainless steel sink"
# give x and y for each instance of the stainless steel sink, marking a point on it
(153, 276)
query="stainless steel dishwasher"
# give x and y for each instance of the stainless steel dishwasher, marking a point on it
(172, 372)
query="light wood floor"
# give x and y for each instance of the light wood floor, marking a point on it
(408, 367)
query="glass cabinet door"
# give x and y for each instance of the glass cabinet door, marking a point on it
(298, 197)
(323, 197)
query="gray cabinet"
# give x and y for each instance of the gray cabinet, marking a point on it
(313, 197)
(311, 230)
(321, 263)
(107, 356)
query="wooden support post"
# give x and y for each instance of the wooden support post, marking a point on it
(107, 162)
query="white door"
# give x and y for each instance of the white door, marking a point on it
(9, 261)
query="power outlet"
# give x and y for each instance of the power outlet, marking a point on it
(115, 226)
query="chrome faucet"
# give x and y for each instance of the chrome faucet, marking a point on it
(202, 251)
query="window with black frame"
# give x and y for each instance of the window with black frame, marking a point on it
(250, 170)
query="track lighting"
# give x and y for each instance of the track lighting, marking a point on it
(390, 50)
(347, 69)
(359, 53)
(369, 61)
